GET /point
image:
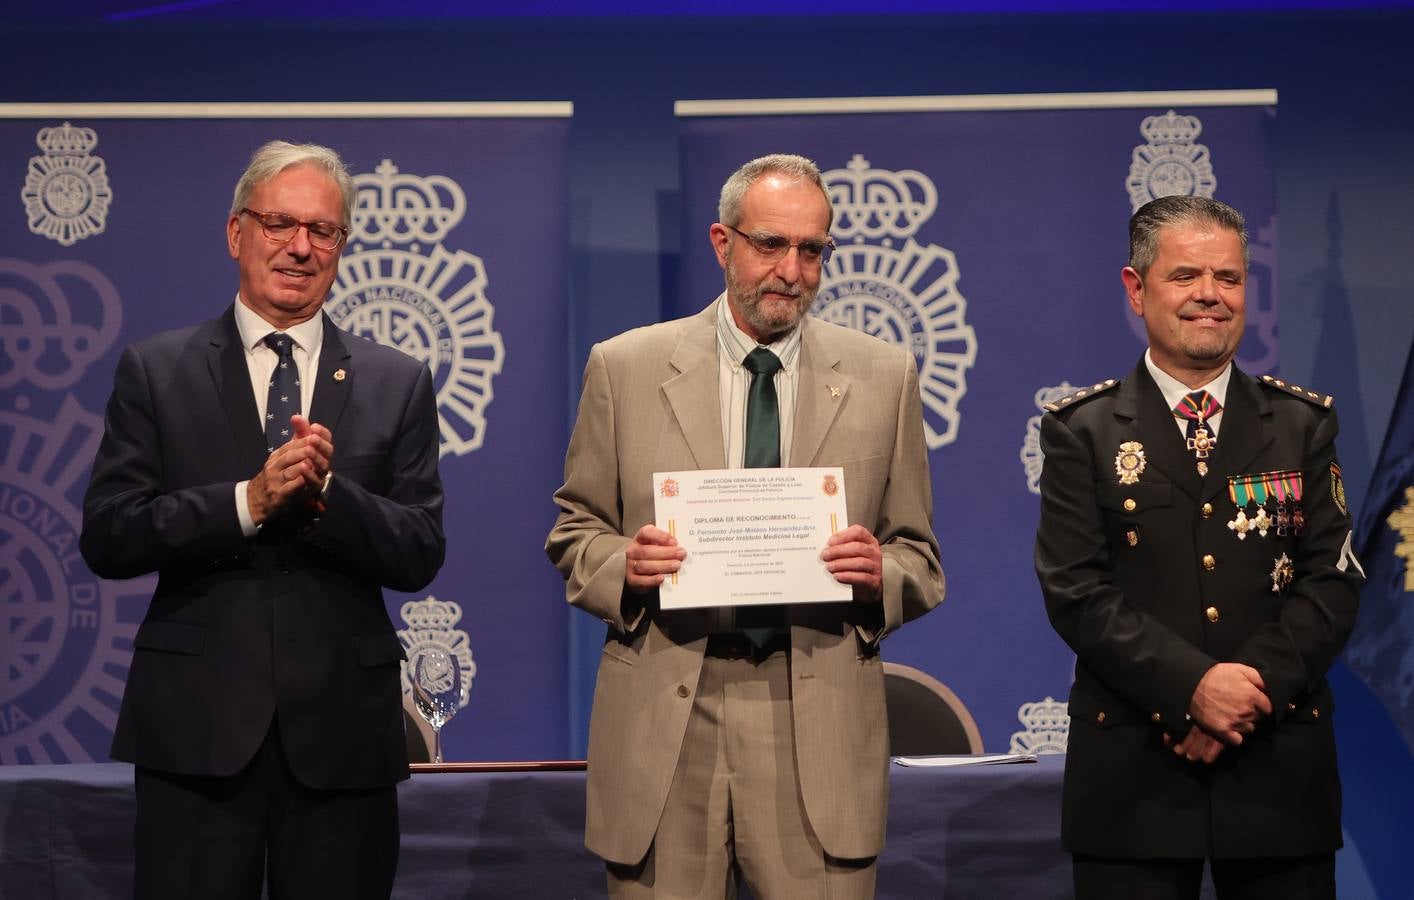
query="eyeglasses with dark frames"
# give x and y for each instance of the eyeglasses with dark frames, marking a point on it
(774, 247)
(282, 229)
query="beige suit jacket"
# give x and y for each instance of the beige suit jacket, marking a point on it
(650, 403)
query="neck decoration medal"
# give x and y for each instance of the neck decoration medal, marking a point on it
(1198, 408)
(1202, 444)
(1129, 462)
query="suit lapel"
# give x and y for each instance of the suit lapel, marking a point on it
(334, 379)
(820, 395)
(231, 377)
(1164, 446)
(693, 393)
(1244, 432)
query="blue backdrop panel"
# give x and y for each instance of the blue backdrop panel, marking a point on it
(457, 255)
(989, 241)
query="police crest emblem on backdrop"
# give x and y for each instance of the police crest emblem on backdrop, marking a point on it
(400, 286)
(66, 634)
(883, 282)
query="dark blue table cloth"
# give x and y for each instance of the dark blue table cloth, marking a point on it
(954, 834)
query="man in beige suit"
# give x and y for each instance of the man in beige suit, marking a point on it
(751, 744)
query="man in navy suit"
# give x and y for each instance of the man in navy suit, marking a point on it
(276, 473)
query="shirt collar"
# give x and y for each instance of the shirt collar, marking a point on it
(1175, 390)
(308, 335)
(734, 343)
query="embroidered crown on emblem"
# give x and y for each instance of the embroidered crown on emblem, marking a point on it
(1171, 128)
(878, 203)
(1044, 715)
(431, 614)
(400, 208)
(1046, 725)
(66, 140)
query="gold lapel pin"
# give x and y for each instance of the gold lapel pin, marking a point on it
(340, 374)
(834, 392)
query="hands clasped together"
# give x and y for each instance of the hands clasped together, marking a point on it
(1228, 702)
(294, 474)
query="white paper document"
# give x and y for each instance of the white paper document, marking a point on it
(752, 536)
(945, 762)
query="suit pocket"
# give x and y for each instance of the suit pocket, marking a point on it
(170, 637)
(378, 649)
(1102, 713)
(1133, 499)
(865, 467)
(619, 653)
(368, 470)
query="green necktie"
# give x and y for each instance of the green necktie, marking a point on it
(763, 450)
(763, 420)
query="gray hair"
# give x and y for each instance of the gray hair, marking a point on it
(1145, 224)
(277, 156)
(787, 164)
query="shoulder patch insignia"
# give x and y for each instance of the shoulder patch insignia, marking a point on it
(1081, 394)
(1310, 396)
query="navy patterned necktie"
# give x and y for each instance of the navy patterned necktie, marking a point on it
(763, 420)
(283, 400)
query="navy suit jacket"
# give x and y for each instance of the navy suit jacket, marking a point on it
(290, 621)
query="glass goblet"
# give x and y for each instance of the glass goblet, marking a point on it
(436, 691)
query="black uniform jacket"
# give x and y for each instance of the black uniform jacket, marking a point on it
(291, 620)
(1150, 587)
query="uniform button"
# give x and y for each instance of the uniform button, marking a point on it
(1207, 510)
(1315, 712)
(1291, 707)
(1156, 717)
(683, 691)
(1100, 717)
(1129, 504)
(1208, 562)
(1212, 613)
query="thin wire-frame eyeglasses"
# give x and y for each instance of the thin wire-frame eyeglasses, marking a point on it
(773, 247)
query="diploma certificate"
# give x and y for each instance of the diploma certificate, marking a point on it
(752, 536)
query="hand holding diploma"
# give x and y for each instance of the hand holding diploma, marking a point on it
(854, 558)
(653, 556)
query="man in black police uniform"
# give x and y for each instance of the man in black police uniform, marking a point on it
(1194, 552)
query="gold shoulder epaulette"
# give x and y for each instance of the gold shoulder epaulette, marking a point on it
(1082, 394)
(1315, 397)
